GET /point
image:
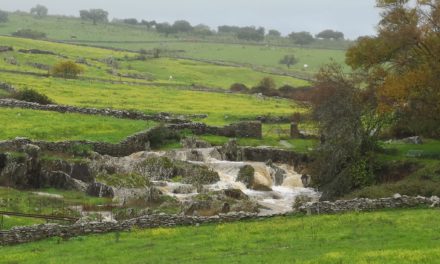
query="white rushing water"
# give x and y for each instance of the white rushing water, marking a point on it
(279, 200)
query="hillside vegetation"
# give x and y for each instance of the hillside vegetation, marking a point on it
(223, 48)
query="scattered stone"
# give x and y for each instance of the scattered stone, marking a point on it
(192, 142)
(37, 51)
(413, 140)
(6, 48)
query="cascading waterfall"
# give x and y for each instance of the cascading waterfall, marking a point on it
(279, 200)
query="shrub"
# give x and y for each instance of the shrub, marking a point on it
(67, 69)
(30, 95)
(161, 135)
(239, 88)
(29, 33)
(266, 87)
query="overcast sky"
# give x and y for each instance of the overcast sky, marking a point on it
(353, 17)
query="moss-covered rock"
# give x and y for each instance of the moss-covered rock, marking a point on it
(246, 175)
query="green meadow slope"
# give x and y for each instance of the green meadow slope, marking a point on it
(218, 48)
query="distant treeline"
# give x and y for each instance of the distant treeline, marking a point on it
(250, 33)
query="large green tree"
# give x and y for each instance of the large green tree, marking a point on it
(39, 11)
(4, 16)
(95, 15)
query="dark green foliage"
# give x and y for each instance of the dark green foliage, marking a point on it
(182, 26)
(29, 33)
(330, 34)
(251, 34)
(4, 16)
(274, 33)
(342, 161)
(80, 150)
(39, 11)
(161, 135)
(289, 60)
(266, 87)
(165, 28)
(301, 38)
(228, 29)
(95, 15)
(130, 21)
(239, 88)
(30, 95)
(403, 177)
(246, 175)
(202, 30)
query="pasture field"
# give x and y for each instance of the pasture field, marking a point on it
(126, 66)
(268, 56)
(222, 108)
(224, 48)
(375, 237)
(75, 27)
(53, 126)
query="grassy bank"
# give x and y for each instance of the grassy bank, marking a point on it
(401, 236)
(53, 126)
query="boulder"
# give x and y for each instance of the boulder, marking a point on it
(413, 140)
(3, 161)
(192, 142)
(82, 172)
(230, 150)
(236, 194)
(100, 190)
(246, 175)
(61, 180)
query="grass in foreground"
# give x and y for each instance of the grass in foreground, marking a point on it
(53, 126)
(400, 236)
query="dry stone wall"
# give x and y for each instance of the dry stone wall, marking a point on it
(135, 115)
(38, 232)
(365, 204)
(21, 235)
(137, 142)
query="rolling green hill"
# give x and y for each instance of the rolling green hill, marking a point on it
(224, 48)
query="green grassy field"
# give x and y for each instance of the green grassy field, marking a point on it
(222, 108)
(184, 72)
(137, 37)
(248, 54)
(33, 202)
(57, 127)
(400, 236)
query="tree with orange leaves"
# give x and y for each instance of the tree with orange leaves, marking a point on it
(401, 64)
